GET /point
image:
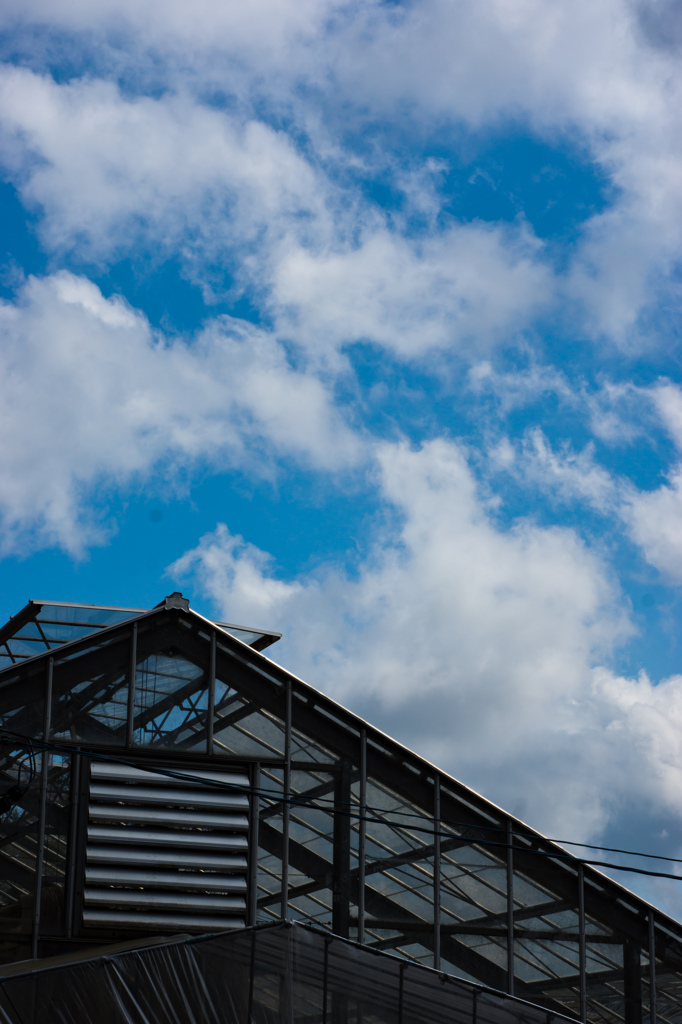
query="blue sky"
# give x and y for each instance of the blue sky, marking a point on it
(360, 321)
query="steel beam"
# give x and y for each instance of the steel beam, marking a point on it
(362, 835)
(582, 951)
(44, 758)
(436, 872)
(286, 809)
(132, 674)
(510, 908)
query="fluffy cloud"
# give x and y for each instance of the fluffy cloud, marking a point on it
(654, 518)
(655, 523)
(587, 71)
(173, 169)
(481, 648)
(89, 394)
(438, 56)
(467, 289)
(266, 30)
(474, 644)
(619, 415)
(111, 173)
(565, 475)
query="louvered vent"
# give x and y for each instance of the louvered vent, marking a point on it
(164, 853)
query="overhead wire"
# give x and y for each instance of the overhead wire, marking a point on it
(332, 807)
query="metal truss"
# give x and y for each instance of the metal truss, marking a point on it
(349, 831)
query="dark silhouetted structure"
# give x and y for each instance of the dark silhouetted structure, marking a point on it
(161, 776)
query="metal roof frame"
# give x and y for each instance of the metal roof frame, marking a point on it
(475, 847)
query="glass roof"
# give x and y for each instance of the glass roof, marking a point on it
(348, 830)
(45, 625)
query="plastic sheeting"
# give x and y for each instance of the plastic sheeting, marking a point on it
(281, 974)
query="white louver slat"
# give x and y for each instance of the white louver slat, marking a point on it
(164, 852)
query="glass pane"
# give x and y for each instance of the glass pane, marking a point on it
(303, 748)
(246, 636)
(24, 647)
(84, 615)
(546, 929)
(57, 633)
(20, 780)
(171, 702)
(58, 809)
(668, 993)
(269, 874)
(23, 708)
(473, 897)
(241, 728)
(646, 1003)
(30, 629)
(90, 696)
(604, 961)
(311, 853)
(399, 874)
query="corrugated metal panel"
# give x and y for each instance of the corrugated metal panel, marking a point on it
(177, 857)
(182, 817)
(181, 796)
(164, 851)
(181, 776)
(124, 919)
(149, 837)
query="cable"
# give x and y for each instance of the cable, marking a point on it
(333, 808)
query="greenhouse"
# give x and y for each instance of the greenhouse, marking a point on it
(161, 776)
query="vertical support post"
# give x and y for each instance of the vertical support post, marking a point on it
(632, 981)
(287, 981)
(40, 854)
(401, 993)
(254, 808)
(252, 973)
(582, 943)
(341, 854)
(653, 1011)
(73, 839)
(286, 806)
(510, 908)
(211, 696)
(362, 837)
(325, 980)
(132, 669)
(436, 872)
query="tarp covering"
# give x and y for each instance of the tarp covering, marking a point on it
(281, 974)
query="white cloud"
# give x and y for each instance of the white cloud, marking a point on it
(447, 58)
(620, 413)
(654, 519)
(482, 649)
(477, 644)
(564, 475)
(264, 31)
(470, 287)
(667, 399)
(473, 643)
(111, 172)
(225, 189)
(518, 388)
(90, 395)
